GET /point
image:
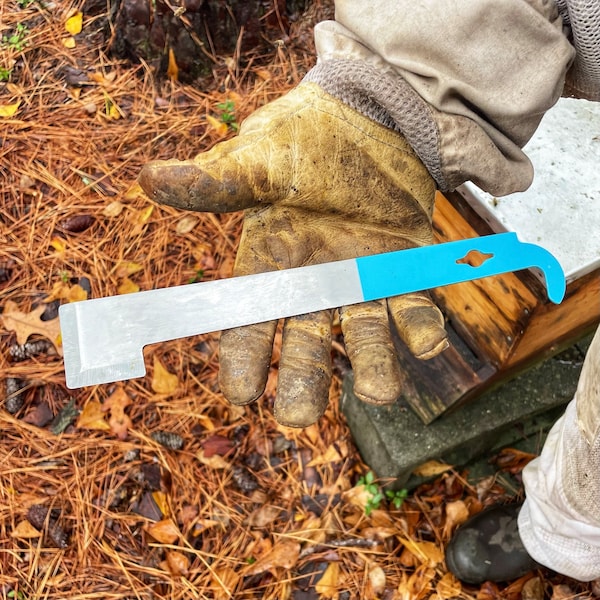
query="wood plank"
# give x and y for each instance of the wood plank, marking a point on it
(431, 387)
(491, 313)
(552, 326)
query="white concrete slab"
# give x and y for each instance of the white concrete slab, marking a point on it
(561, 209)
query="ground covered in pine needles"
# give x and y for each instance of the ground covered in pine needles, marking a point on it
(157, 487)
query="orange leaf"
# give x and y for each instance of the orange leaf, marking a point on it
(220, 127)
(172, 68)
(163, 382)
(58, 244)
(283, 554)
(119, 422)
(92, 417)
(164, 532)
(26, 324)
(161, 501)
(177, 563)
(128, 287)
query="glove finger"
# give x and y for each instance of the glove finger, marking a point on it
(244, 361)
(366, 329)
(304, 369)
(420, 324)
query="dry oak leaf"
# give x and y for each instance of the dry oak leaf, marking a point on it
(431, 468)
(164, 532)
(92, 417)
(163, 382)
(176, 563)
(224, 582)
(25, 531)
(283, 555)
(26, 324)
(119, 422)
(427, 553)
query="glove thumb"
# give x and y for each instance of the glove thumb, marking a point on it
(232, 176)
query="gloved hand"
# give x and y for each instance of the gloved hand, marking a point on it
(319, 182)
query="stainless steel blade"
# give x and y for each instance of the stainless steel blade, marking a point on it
(103, 339)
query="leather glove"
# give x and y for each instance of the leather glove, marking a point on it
(318, 182)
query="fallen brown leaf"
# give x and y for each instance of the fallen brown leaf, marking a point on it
(163, 382)
(284, 555)
(327, 586)
(165, 531)
(26, 324)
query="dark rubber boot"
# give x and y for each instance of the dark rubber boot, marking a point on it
(488, 547)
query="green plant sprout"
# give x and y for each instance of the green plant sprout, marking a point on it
(396, 498)
(227, 109)
(197, 277)
(5, 74)
(17, 40)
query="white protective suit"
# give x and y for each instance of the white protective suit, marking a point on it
(467, 84)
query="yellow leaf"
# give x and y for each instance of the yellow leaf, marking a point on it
(431, 468)
(127, 268)
(144, 215)
(165, 531)
(25, 530)
(64, 291)
(163, 382)
(172, 68)
(92, 417)
(69, 43)
(58, 244)
(161, 501)
(111, 109)
(74, 24)
(218, 126)
(128, 287)
(135, 191)
(327, 586)
(9, 110)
